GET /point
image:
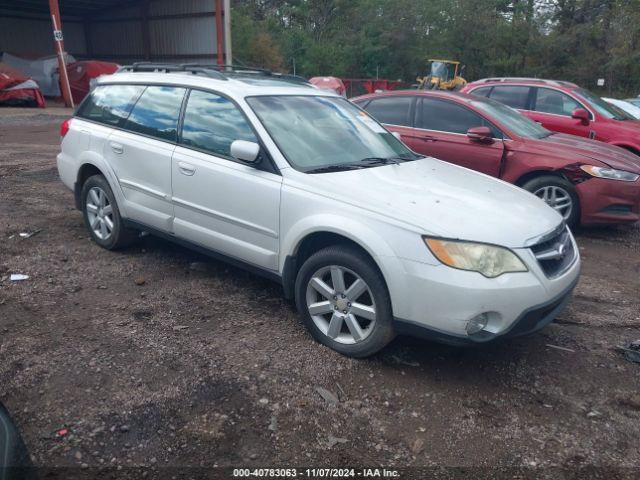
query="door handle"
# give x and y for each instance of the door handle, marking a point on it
(428, 139)
(186, 169)
(116, 147)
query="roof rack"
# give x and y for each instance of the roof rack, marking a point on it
(171, 67)
(527, 79)
(247, 70)
(212, 70)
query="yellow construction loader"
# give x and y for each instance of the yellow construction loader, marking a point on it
(444, 75)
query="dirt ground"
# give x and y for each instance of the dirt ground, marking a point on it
(207, 365)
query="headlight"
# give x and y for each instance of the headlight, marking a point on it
(489, 260)
(610, 173)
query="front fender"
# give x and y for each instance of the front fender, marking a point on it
(370, 240)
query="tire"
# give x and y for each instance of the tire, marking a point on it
(563, 189)
(102, 216)
(358, 324)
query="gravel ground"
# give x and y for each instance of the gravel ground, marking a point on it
(157, 356)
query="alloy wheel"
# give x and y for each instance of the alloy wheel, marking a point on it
(100, 213)
(557, 198)
(341, 304)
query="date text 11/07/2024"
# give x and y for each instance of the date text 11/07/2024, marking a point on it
(316, 472)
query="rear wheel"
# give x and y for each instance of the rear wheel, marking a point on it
(102, 216)
(559, 194)
(344, 301)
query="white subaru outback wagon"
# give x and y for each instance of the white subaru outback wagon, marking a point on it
(369, 238)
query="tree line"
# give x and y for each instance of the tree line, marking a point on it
(576, 40)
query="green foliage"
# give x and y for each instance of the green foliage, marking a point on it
(576, 40)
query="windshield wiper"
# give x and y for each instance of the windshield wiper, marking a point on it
(383, 160)
(340, 167)
(364, 163)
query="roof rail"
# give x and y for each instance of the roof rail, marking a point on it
(212, 70)
(172, 67)
(527, 79)
(246, 70)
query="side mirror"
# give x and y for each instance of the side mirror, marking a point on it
(480, 134)
(245, 151)
(582, 115)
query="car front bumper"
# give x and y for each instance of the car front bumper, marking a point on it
(442, 301)
(604, 201)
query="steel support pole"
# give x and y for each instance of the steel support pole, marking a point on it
(227, 32)
(54, 9)
(219, 29)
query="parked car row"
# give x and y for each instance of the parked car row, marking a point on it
(371, 236)
(588, 182)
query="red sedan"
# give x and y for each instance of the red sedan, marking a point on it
(586, 181)
(563, 107)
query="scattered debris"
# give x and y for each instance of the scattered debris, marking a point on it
(417, 446)
(593, 414)
(404, 362)
(140, 281)
(263, 401)
(333, 441)
(564, 349)
(632, 351)
(124, 428)
(273, 424)
(29, 234)
(18, 277)
(328, 396)
(63, 432)
(178, 328)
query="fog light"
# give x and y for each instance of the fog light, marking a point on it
(477, 323)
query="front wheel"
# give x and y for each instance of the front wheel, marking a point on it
(559, 194)
(344, 302)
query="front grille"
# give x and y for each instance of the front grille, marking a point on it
(555, 255)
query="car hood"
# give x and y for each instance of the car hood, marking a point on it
(615, 157)
(441, 199)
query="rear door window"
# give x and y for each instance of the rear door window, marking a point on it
(110, 104)
(445, 116)
(512, 95)
(553, 101)
(156, 113)
(212, 122)
(391, 110)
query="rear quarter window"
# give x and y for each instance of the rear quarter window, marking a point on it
(110, 104)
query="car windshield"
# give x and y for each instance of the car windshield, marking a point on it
(511, 118)
(605, 109)
(313, 132)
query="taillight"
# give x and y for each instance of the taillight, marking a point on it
(64, 128)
